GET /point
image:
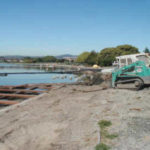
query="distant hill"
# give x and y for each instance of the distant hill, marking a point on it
(66, 55)
(13, 57)
(21, 57)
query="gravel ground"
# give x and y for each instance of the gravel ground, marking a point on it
(67, 118)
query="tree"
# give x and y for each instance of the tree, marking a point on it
(107, 56)
(40, 59)
(49, 59)
(36, 60)
(127, 49)
(146, 50)
(92, 58)
(89, 58)
(83, 57)
(60, 60)
(28, 60)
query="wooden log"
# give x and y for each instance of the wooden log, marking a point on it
(44, 87)
(7, 87)
(16, 95)
(14, 86)
(33, 87)
(29, 86)
(21, 91)
(23, 86)
(7, 102)
(39, 84)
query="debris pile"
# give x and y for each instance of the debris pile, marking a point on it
(96, 78)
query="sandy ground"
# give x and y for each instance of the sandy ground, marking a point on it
(67, 118)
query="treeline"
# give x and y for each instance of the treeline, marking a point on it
(43, 59)
(107, 55)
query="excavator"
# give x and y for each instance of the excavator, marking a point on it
(133, 76)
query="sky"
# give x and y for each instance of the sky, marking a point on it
(55, 27)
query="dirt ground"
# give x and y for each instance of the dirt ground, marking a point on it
(66, 118)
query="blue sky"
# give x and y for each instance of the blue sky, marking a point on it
(53, 27)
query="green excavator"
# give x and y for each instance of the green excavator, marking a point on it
(134, 76)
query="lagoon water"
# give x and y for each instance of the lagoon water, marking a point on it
(19, 79)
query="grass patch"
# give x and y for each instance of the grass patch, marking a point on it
(102, 147)
(111, 136)
(104, 134)
(104, 123)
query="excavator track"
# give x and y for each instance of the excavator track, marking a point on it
(135, 85)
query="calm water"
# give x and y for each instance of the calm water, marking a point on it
(31, 78)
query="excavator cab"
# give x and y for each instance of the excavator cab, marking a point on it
(125, 60)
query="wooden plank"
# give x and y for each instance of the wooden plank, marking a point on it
(21, 91)
(6, 87)
(7, 102)
(15, 86)
(27, 88)
(44, 87)
(33, 87)
(16, 95)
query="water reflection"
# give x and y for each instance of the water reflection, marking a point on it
(32, 78)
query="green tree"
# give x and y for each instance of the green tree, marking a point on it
(146, 50)
(92, 58)
(49, 59)
(107, 56)
(40, 59)
(82, 58)
(60, 60)
(127, 49)
(28, 60)
(36, 60)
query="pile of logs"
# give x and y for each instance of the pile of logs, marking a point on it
(10, 95)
